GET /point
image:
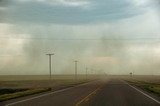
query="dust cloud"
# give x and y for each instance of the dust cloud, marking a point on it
(116, 44)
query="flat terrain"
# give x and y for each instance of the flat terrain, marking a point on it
(16, 89)
(66, 97)
(107, 92)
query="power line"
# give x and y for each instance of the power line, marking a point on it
(10, 55)
(82, 38)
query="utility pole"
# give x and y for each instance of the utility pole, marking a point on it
(76, 69)
(86, 73)
(50, 65)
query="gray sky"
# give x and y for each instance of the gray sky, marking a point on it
(112, 36)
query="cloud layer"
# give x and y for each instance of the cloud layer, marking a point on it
(72, 11)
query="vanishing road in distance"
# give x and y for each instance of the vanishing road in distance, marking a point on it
(96, 93)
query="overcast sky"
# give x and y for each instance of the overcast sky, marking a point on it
(111, 36)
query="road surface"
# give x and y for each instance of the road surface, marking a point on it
(119, 93)
(97, 93)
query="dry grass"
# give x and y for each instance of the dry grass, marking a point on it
(148, 86)
(5, 97)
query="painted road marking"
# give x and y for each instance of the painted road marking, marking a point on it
(10, 104)
(86, 98)
(143, 93)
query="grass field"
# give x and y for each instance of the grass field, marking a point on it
(44, 77)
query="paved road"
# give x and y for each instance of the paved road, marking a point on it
(119, 93)
(97, 93)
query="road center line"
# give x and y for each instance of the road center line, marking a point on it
(87, 97)
(142, 92)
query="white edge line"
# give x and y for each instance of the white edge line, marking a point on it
(142, 92)
(10, 104)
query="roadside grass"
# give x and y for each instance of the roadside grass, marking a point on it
(150, 87)
(153, 88)
(17, 94)
(8, 91)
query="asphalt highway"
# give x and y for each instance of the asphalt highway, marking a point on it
(119, 93)
(97, 93)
